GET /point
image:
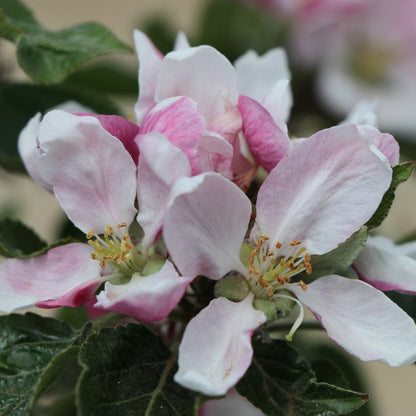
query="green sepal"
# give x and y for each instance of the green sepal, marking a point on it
(233, 286)
(128, 370)
(34, 351)
(401, 173)
(280, 382)
(338, 259)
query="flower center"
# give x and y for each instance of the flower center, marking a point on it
(271, 272)
(117, 252)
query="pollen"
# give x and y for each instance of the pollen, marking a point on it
(114, 250)
(271, 271)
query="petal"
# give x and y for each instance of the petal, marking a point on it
(146, 298)
(201, 73)
(121, 128)
(267, 142)
(324, 190)
(384, 142)
(382, 265)
(233, 404)
(205, 226)
(150, 60)
(181, 42)
(266, 79)
(161, 164)
(178, 119)
(61, 270)
(93, 176)
(361, 319)
(216, 351)
(30, 152)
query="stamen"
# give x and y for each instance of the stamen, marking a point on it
(295, 243)
(302, 284)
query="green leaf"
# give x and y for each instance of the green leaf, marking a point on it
(15, 18)
(17, 240)
(128, 370)
(33, 352)
(280, 383)
(20, 102)
(49, 57)
(338, 259)
(400, 174)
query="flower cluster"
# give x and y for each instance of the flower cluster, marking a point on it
(163, 203)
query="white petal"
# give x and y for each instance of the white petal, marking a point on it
(361, 319)
(323, 191)
(382, 265)
(205, 225)
(216, 350)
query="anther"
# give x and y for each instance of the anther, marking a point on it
(278, 245)
(302, 284)
(295, 243)
(123, 224)
(90, 234)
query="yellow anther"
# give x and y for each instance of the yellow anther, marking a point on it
(265, 237)
(295, 243)
(302, 284)
(102, 264)
(109, 229)
(90, 234)
(123, 224)
(278, 245)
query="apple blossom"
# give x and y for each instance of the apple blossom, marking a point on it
(94, 178)
(207, 77)
(325, 189)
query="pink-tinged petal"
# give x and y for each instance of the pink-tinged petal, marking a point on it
(150, 60)
(161, 164)
(121, 128)
(30, 152)
(266, 79)
(384, 142)
(93, 176)
(267, 142)
(215, 154)
(146, 298)
(181, 42)
(382, 265)
(205, 226)
(75, 297)
(201, 73)
(361, 319)
(216, 350)
(179, 120)
(233, 404)
(323, 191)
(65, 271)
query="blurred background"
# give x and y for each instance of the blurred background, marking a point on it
(319, 79)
